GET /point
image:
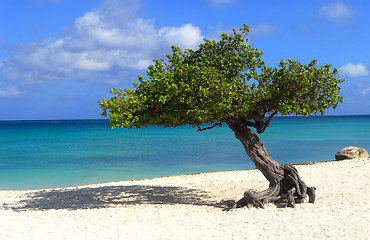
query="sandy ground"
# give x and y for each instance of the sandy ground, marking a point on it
(185, 207)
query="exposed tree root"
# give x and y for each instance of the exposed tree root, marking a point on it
(290, 190)
(286, 186)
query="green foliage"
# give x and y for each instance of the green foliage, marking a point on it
(222, 80)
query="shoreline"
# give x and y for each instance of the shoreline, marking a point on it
(185, 207)
(162, 179)
(155, 178)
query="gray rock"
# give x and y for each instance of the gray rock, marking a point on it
(351, 152)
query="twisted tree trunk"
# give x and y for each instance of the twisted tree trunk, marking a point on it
(285, 182)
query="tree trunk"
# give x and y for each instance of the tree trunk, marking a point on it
(285, 182)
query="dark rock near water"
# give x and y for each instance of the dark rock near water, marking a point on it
(351, 152)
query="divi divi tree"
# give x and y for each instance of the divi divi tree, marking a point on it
(226, 82)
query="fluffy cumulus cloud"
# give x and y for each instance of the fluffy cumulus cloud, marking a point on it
(354, 70)
(186, 36)
(337, 11)
(100, 46)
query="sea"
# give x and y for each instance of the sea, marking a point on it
(65, 153)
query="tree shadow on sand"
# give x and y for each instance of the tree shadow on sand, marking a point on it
(110, 196)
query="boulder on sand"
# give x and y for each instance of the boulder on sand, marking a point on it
(351, 152)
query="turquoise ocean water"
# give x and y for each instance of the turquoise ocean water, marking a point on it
(46, 154)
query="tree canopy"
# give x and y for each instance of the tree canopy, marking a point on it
(222, 80)
(226, 81)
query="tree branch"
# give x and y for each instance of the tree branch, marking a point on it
(251, 124)
(259, 124)
(267, 123)
(207, 128)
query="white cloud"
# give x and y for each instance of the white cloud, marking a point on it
(100, 46)
(354, 70)
(220, 2)
(186, 36)
(365, 91)
(362, 87)
(262, 29)
(47, 1)
(9, 92)
(337, 11)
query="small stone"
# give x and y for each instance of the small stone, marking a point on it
(351, 152)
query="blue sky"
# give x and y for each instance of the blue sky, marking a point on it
(58, 58)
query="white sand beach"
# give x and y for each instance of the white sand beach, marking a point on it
(184, 207)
